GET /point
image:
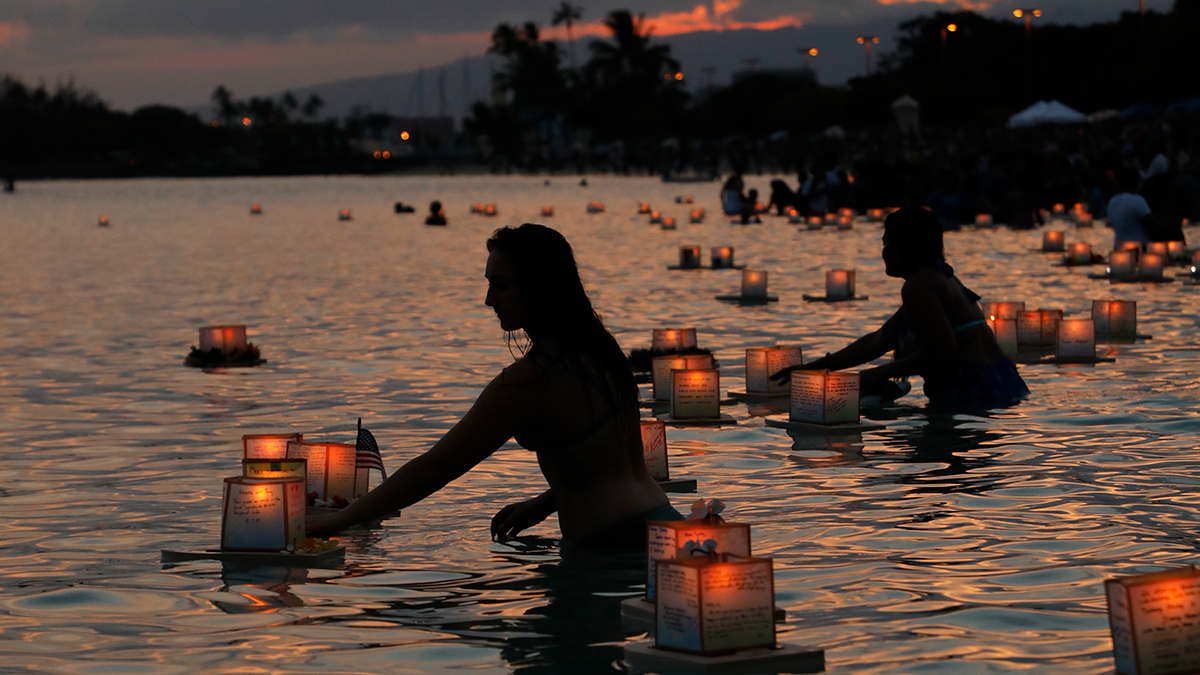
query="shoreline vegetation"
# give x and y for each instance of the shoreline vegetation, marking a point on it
(626, 110)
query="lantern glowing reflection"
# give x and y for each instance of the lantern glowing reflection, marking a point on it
(839, 284)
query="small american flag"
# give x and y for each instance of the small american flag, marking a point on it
(367, 455)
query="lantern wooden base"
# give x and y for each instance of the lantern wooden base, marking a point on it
(1096, 259)
(215, 359)
(706, 267)
(1066, 361)
(677, 486)
(665, 404)
(825, 298)
(637, 614)
(643, 657)
(748, 299)
(756, 397)
(1121, 339)
(723, 420)
(258, 558)
(785, 422)
(1132, 279)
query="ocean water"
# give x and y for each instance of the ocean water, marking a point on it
(938, 544)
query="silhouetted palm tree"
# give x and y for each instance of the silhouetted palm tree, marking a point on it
(568, 14)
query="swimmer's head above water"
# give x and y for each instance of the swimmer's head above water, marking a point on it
(912, 239)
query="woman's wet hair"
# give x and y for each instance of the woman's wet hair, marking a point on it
(546, 274)
(915, 234)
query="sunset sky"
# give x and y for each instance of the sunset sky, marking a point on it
(135, 52)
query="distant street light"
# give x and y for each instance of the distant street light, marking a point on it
(946, 31)
(866, 41)
(808, 53)
(1028, 15)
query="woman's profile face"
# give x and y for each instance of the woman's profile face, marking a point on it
(503, 295)
(891, 261)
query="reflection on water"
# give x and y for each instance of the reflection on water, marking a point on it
(941, 543)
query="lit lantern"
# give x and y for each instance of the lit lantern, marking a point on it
(1084, 219)
(1152, 619)
(1076, 339)
(722, 257)
(983, 220)
(839, 284)
(275, 468)
(824, 397)
(1159, 247)
(1003, 310)
(846, 212)
(687, 199)
(1176, 249)
(714, 604)
(654, 448)
(1051, 319)
(754, 283)
(668, 539)
(1078, 207)
(1115, 318)
(698, 361)
(1129, 246)
(660, 375)
(687, 338)
(655, 218)
(262, 515)
(102, 221)
(227, 339)
(255, 209)
(815, 222)
(490, 210)
(695, 394)
(1080, 253)
(831, 218)
(643, 208)
(875, 214)
(267, 446)
(1123, 262)
(1029, 328)
(547, 211)
(668, 223)
(672, 339)
(1059, 209)
(344, 214)
(1005, 331)
(1151, 266)
(595, 207)
(689, 257)
(845, 223)
(697, 216)
(332, 468)
(1053, 242)
(762, 362)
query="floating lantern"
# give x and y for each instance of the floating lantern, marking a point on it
(1123, 262)
(831, 218)
(722, 257)
(547, 211)
(815, 222)
(1078, 207)
(1003, 310)
(1159, 247)
(595, 207)
(754, 283)
(668, 539)
(791, 212)
(762, 362)
(643, 208)
(654, 448)
(267, 446)
(713, 604)
(102, 221)
(1152, 619)
(845, 223)
(262, 515)
(983, 220)
(1005, 331)
(1115, 318)
(1084, 219)
(1151, 266)
(344, 214)
(689, 257)
(672, 339)
(655, 218)
(227, 339)
(1059, 209)
(1076, 339)
(255, 210)
(695, 394)
(1176, 249)
(875, 215)
(668, 223)
(1053, 242)
(839, 284)
(1080, 253)
(824, 397)
(275, 468)
(697, 216)
(1129, 246)
(698, 361)
(332, 468)
(490, 210)
(660, 375)
(846, 212)
(687, 199)
(1038, 328)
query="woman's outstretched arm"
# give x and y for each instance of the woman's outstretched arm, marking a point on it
(490, 422)
(867, 348)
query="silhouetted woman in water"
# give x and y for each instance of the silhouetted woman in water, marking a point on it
(570, 398)
(939, 332)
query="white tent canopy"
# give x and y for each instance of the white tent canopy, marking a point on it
(1046, 112)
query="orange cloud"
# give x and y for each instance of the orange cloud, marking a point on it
(700, 18)
(11, 31)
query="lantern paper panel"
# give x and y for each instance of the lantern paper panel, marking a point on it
(695, 394)
(225, 338)
(1081, 252)
(722, 257)
(1002, 310)
(689, 257)
(1152, 619)
(275, 468)
(262, 515)
(654, 447)
(754, 283)
(698, 361)
(1005, 331)
(362, 480)
(839, 284)
(666, 540)
(267, 446)
(1051, 318)
(983, 219)
(687, 338)
(1123, 262)
(1176, 249)
(1053, 242)
(1115, 318)
(1151, 265)
(824, 397)
(1076, 339)
(667, 340)
(762, 362)
(1029, 329)
(332, 468)
(713, 605)
(1157, 247)
(660, 375)
(1129, 246)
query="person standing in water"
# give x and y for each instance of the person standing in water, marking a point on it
(570, 398)
(436, 215)
(938, 333)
